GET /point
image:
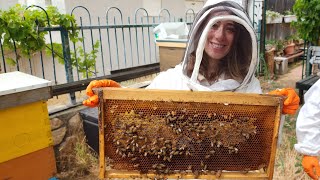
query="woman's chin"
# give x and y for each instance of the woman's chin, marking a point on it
(217, 56)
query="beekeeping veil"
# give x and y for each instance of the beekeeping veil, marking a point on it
(197, 40)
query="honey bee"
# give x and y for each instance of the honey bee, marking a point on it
(184, 110)
(154, 166)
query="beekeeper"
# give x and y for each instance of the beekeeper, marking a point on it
(221, 55)
(308, 131)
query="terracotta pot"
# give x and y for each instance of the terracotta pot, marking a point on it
(289, 49)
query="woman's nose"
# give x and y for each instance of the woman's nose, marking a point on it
(219, 33)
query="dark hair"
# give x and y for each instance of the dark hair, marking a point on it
(235, 64)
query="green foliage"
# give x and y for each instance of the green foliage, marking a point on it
(308, 19)
(293, 37)
(298, 164)
(10, 61)
(65, 20)
(20, 26)
(290, 127)
(279, 46)
(272, 14)
(85, 62)
(57, 51)
(14, 27)
(288, 12)
(265, 70)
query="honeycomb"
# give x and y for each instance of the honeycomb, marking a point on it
(165, 137)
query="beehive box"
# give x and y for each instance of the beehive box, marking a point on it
(25, 141)
(184, 134)
(38, 165)
(24, 119)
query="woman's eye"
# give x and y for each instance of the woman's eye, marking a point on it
(231, 29)
(215, 26)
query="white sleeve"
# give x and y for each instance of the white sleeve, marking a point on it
(308, 123)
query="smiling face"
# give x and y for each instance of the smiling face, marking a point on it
(220, 39)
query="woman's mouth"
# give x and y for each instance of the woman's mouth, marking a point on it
(217, 45)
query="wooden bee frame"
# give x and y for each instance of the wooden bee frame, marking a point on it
(251, 158)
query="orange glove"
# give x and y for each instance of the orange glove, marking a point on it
(93, 99)
(310, 163)
(291, 103)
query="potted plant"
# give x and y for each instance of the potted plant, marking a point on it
(273, 17)
(279, 46)
(289, 46)
(289, 16)
(297, 41)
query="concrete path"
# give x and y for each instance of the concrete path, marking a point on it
(289, 79)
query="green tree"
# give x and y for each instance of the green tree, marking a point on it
(308, 19)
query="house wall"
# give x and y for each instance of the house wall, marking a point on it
(6, 4)
(128, 8)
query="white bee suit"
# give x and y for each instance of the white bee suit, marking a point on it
(177, 79)
(308, 123)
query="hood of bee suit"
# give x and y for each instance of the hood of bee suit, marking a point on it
(197, 39)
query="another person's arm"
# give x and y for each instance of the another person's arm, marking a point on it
(308, 131)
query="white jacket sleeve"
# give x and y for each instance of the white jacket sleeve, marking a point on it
(308, 123)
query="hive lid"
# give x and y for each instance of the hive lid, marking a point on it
(14, 82)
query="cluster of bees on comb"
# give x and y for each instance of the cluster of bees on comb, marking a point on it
(178, 134)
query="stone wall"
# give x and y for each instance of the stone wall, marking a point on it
(67, 131)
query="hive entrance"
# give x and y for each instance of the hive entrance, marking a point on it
(167, 137)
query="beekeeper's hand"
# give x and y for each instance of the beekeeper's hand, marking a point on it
(311, 166)
(93, 99)
(291, 102)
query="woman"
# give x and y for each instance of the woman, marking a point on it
(221, 50)
(308, 131)
(221, 55)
